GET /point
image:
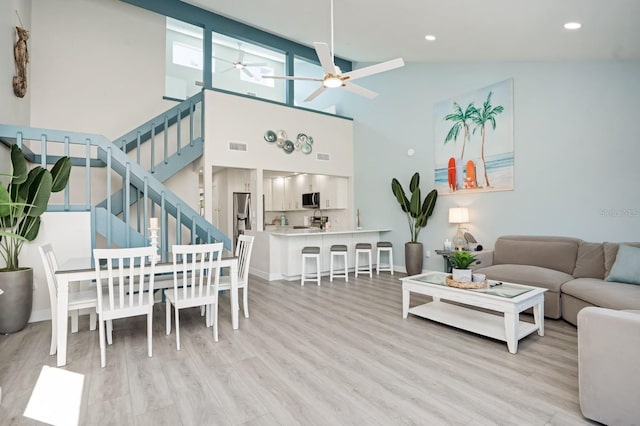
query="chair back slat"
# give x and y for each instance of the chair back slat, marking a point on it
(195, 264)
(243, 253)
(129, 277)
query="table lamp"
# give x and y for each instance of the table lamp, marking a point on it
(459, 215)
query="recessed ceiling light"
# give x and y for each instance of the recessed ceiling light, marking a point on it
(572, 25)
(430, 37)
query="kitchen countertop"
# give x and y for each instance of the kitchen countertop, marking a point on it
(290, 232)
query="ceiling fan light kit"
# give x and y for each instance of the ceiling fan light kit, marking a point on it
(334, 78)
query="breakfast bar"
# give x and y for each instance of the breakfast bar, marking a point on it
(280, 249)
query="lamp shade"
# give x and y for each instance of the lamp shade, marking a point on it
(458, 215)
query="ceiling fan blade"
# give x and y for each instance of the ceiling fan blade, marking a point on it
(315, 94)
(290, 77)
(374, 69)
(359, 90)
(324, 55)
(240, 55)
(229, 69)
(256, 64)
(247, 72)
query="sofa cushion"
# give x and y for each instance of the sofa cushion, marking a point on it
(605, 294)
(590, 261)
(557, 253)
(610, 253)
(527, 275)
(626, 268)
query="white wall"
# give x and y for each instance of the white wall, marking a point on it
(239, 119)
(56, 228)
(575, 151)
(13, 110)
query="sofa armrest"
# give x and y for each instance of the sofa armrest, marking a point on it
(609, 365)
(485, 258)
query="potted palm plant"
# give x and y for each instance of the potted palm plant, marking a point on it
(460, 263)
(22, 202)
(417, 212)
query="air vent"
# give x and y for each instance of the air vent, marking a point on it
(324, 157)
(237, 146)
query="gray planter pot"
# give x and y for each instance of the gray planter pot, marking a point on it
(413, 257)
(15, 303)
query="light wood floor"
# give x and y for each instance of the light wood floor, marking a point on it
(330, 355)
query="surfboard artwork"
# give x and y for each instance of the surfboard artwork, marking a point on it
(474, 141)
(470, 176)
(451, 174)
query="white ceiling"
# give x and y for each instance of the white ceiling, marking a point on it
(466, 30)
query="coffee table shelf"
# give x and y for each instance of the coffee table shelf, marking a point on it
(471, 320)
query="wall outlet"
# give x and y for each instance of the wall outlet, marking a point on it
(427, 253)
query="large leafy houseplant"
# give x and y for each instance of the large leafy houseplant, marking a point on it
(22, 202)
(417, 211)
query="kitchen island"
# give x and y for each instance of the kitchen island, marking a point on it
(277, 252)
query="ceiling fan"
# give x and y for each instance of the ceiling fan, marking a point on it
(240, 65)
(334, 77)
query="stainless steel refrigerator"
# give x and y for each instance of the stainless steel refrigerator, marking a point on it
(241, 214)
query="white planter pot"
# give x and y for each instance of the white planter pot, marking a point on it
(462, 275)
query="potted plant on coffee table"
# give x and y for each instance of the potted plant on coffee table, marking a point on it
(22, 202)
(461, 262)
(418, 212)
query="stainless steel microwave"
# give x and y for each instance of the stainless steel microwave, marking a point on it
(311, 200)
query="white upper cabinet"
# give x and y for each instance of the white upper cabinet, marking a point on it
(240, 180)
(285, 194)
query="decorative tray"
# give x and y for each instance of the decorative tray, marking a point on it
(471, 284)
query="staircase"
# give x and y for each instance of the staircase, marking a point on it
(118, 168)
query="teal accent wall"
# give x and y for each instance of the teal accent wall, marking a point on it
(575, 144)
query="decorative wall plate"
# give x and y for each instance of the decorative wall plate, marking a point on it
(310, 140)
(288, 147)
(306, 148)
(302, 138)
(270, 136)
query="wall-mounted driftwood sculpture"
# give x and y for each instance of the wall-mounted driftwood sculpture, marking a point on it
(21, 55)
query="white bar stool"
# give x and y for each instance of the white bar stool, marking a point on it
(365, 249)
(384, 246)
(310, 253)
(339, 250)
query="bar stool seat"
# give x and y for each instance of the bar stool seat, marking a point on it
(384, 247)
(310, 252)
(339, 250)
(363, 249)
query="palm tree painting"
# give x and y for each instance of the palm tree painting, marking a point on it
(485, 128)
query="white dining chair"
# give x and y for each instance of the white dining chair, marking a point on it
(194, 266)
(124, 288)
(244, 248)
(78, 299)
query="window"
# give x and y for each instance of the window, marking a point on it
(184, 59)
(303, 88)
(240, 67)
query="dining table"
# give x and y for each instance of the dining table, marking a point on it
(83, 269)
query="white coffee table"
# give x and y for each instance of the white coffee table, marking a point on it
(508, 298)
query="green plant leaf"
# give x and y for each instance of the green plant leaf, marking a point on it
(5, 202)
(29, 228)
(19, 164)
(60, 173)
(39, 193)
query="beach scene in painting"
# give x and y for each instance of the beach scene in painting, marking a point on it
(474, 141)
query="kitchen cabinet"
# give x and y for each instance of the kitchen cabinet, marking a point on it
(268, 194)
(240, 180)
(285, 194)
(277, 194)
(335, 194)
